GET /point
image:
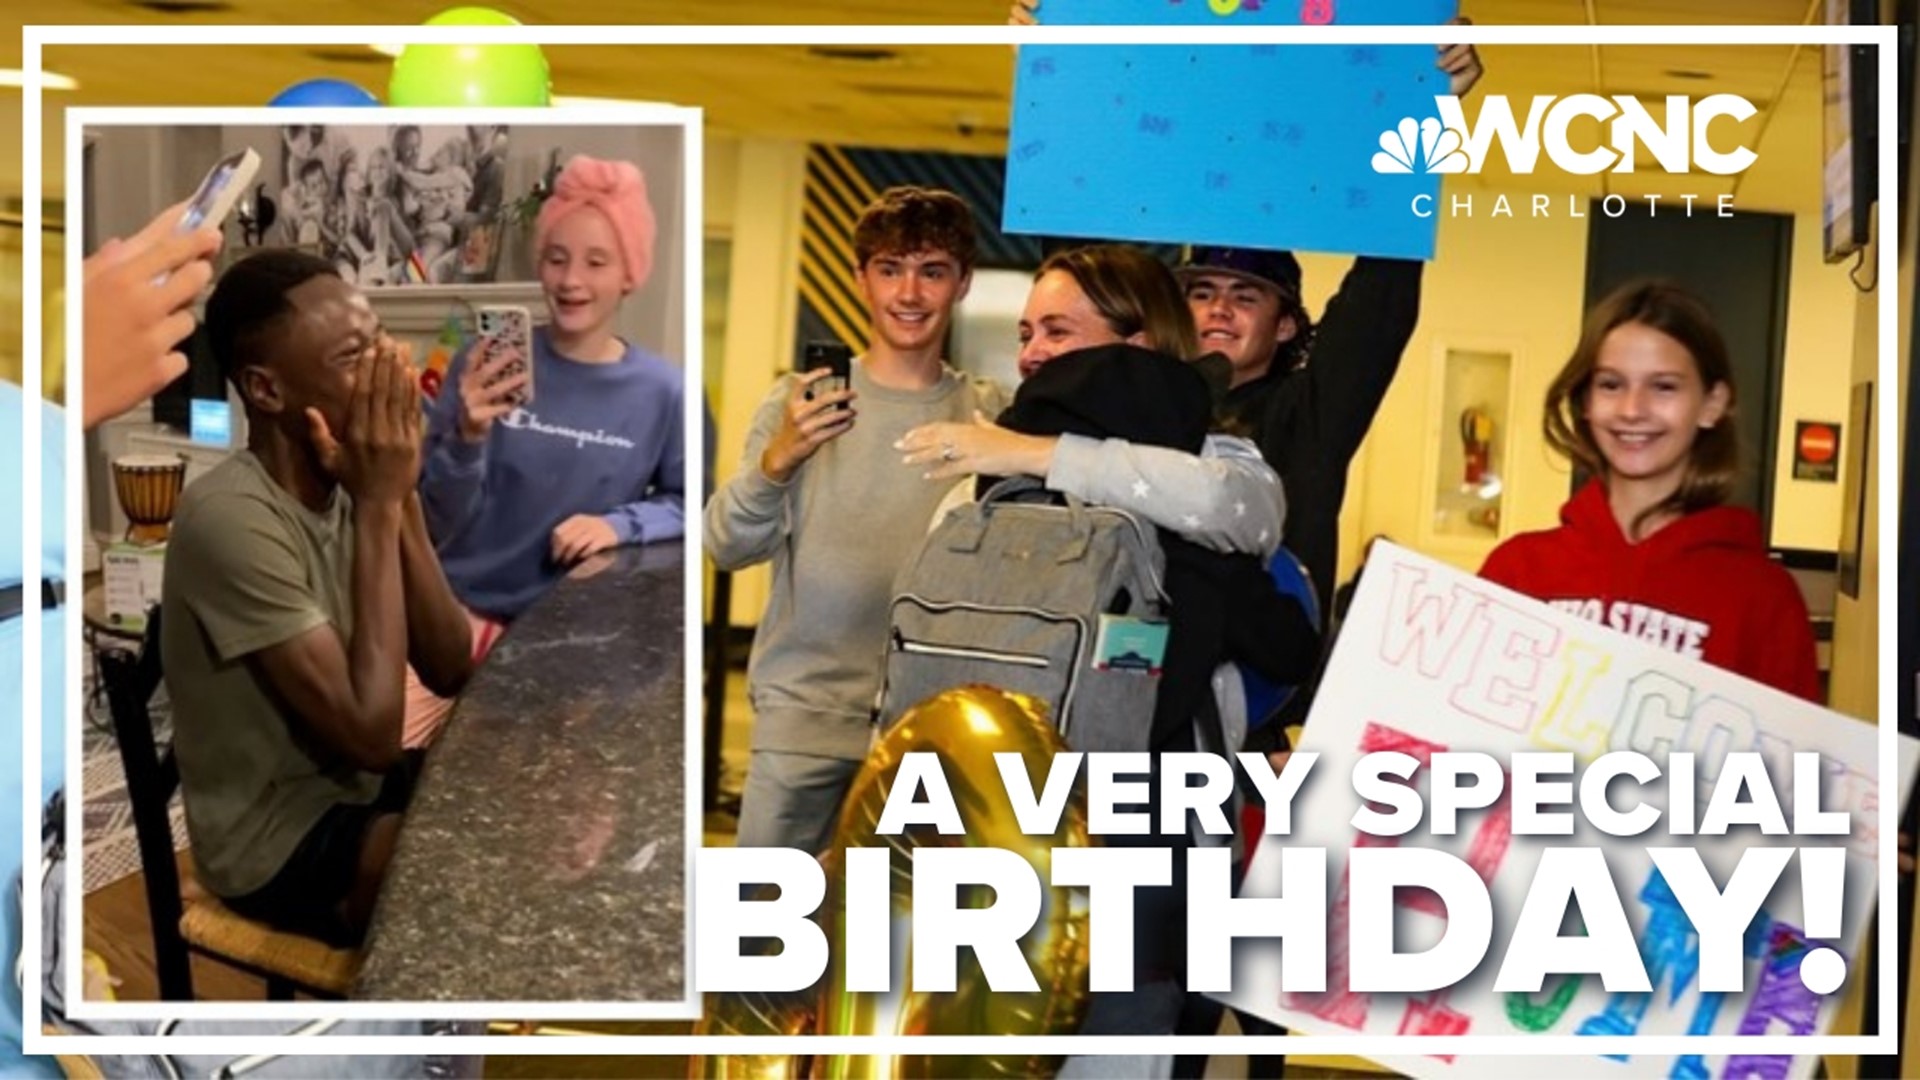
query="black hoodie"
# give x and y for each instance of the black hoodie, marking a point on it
(1224, 607)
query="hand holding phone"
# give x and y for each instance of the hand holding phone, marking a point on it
(507, 328)
(214, 199)
(837, 359)
(137, 303)
(220, 190)
(809, 422)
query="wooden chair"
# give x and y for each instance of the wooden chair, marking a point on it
(190, 919)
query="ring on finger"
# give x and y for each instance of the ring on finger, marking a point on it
(948, 452)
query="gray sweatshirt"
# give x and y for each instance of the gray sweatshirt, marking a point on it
(837, 534)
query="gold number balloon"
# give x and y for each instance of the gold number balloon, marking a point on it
(965, 727)
(748, 1013)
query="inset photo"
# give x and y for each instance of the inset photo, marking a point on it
(382, 676)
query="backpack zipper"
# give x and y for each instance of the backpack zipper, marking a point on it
(960, 652)
(1079, 642)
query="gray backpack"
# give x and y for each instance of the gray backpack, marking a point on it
(1035, 592)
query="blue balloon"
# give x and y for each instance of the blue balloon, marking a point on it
(324, 92)
(1265, 698)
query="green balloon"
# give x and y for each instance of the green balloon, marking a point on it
(457, 75)
(472, 16)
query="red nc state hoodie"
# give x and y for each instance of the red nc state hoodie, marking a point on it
(1701, 586)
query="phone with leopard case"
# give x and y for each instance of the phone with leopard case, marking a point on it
(508, 326)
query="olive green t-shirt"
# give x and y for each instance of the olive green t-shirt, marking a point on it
(249, 567)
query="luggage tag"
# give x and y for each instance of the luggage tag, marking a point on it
(1130, 645)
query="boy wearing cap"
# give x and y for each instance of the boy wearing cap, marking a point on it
(1308, 394)
(517, 493)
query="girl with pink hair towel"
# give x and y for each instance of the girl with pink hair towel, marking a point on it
(518, 489)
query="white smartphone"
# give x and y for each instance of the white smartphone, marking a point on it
(509, 326)
(223, 186)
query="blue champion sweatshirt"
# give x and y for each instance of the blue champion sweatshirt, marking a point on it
(600, 439)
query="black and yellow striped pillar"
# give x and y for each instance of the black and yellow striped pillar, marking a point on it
(830, 305)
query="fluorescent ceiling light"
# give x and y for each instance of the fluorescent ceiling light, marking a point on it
(49, 80)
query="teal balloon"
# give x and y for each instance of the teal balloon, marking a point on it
(334, 92)
(469, 75)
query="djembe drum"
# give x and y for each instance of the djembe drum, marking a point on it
(149, 488)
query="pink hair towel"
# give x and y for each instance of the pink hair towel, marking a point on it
(617, 190)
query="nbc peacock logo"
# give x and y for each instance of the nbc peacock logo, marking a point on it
(1421, 146)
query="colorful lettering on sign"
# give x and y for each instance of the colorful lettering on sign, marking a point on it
(1428, 1015)
(1527, 1016)
(1316, 12)
(1565, 725)
(1781, 1000)
(1431, 1015)
(1492, 653)
(1861, 793)
(1671, 953)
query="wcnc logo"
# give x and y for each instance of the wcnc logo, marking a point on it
(1677, 142)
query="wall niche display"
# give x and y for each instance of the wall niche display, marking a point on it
(1474, 420)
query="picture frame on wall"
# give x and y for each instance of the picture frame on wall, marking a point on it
(1857, 464)
(394, 205)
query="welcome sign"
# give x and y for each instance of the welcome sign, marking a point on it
(1432, 663)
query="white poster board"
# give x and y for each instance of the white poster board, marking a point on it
(1431, 659)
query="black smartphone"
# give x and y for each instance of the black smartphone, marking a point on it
(836, 358)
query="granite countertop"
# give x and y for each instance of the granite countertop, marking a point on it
(544, 854)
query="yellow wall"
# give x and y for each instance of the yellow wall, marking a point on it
(52, 310)
(1820, 344)
(1856, 637)
(720, 183)
(1856, 626)
(1506, 284)
(762, 212)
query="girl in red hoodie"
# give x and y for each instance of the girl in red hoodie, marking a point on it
(1648, 547)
